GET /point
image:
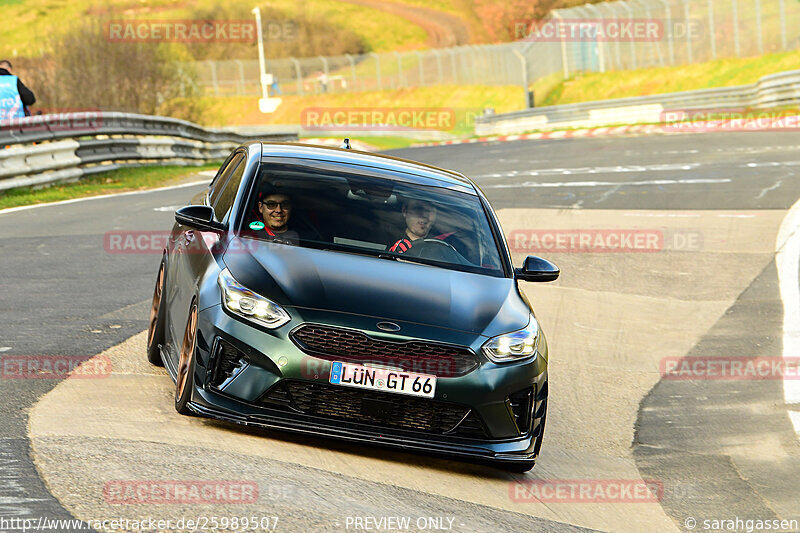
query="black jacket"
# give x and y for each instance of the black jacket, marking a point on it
(25, 94)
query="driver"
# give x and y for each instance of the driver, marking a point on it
(419, 216)
(275, 209)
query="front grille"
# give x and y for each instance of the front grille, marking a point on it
(376, 409)
(423, 357)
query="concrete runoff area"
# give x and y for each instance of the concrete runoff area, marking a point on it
(607, 338)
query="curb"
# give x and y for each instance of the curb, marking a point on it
(710, 126)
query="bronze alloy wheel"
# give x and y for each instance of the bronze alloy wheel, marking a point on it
(187, 356)
(155, 307)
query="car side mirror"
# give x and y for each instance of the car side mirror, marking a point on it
(537, 269)
(199, 217)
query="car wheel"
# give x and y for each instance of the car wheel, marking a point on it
(156, 329)
(184, 383)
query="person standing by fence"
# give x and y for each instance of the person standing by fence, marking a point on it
(14, 96)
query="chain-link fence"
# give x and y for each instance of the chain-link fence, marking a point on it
(593, 37)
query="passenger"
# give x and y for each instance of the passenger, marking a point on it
(14, 96)
(419, 216)
(274, 212)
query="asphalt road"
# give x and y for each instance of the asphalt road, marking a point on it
(728, 447)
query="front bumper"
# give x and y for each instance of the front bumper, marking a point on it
(270, 359)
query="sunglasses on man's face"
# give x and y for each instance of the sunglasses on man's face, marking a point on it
(271, 204)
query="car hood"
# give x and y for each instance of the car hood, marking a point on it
(390, 290)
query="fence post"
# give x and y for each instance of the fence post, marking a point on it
(616, 41)
(377, 69)
(735, 7)
(439, 65)
(601, 56)
(758, 27)
(669, 32)
(688, 33)
(564, 60)
(400, 75)
(453, 64)
(524, 63)
(782, 5)
(711, 29)
(352, 70)
(631, 45)
(214, 77)
(299, 75)
(240, 85)
(325, 70)
(421, 70)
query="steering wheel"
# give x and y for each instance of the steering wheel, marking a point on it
(436, 249)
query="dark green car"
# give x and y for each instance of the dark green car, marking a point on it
(356, 296)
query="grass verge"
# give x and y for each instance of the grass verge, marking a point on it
(620, 84)
(121, 180)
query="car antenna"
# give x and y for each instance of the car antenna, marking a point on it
(346, 143)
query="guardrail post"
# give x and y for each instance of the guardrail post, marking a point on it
(377, 69)
(564, 60)
(299, 75)
(711, 29)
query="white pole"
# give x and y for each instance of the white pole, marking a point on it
(261, 63)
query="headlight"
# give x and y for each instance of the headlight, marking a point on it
(243, 302)
(514, 346)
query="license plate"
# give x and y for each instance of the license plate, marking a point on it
(382, 379)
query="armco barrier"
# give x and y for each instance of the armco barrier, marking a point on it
(776, 90)
(47, 149)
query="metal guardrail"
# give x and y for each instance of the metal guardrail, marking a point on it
(60, 147)
(775, 90)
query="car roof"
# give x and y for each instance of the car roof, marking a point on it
(448, 178)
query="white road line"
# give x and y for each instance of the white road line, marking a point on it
(770, 188)
(661, 167)
(75, 200)
(5, 348)
(602, 183)
(787, 260)
(678, 215)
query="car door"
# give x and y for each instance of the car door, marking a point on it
(191, 254)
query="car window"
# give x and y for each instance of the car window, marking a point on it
(223, 202)
(216, 187)
(339, 209)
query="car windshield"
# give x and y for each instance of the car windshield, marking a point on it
(339, 207)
